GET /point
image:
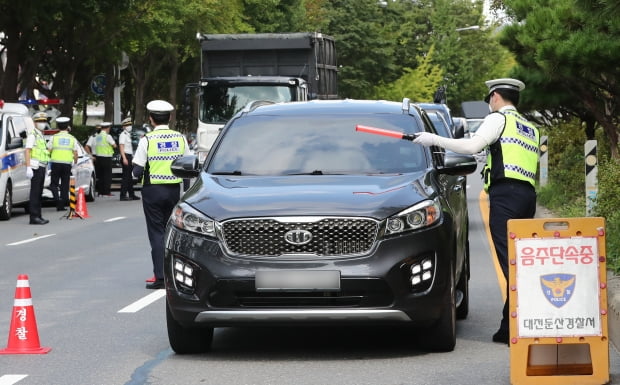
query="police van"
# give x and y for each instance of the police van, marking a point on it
(15, 122)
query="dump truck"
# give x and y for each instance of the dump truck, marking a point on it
(240, 68)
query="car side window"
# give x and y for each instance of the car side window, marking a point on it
(16, 131)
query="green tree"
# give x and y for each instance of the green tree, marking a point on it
(569, 53)
(417, 84)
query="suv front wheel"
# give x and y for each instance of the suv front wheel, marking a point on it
(187, 340)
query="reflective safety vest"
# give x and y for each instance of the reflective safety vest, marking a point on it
(39, 150)
(102, 147)
(163, 147)
(515, 154)
(62, 147)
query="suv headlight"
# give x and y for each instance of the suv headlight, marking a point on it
(187, 218)
(423, 214)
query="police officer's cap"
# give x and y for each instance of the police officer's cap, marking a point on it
(62, 122)
(40, 117)
(159, 107)
(126, 122)
(504, 83)
(106, 124)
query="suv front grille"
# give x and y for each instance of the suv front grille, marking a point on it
(330, 236)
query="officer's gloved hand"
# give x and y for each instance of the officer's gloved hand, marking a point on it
(426, 139)
(29, 172)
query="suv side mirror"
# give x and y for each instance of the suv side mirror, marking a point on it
(185, 167)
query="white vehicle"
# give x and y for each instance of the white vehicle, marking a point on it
(15, 121)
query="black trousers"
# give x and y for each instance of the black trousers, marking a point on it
(103, 171)
(158, 201)
(127, 181)
(36, 189)
(59, 183)
(508, 199)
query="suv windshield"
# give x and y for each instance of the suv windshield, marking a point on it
(325, 144)
(220, 103)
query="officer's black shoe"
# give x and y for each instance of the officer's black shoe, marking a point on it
(135, 198)
(125, 199)
(38, 221)
(158, 284)
(501, 336)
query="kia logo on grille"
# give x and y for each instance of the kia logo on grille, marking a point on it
(298, 237)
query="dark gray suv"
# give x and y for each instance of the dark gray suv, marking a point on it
(297, 218)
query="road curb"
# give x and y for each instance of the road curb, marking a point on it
(613, 292)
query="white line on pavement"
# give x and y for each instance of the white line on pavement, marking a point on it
(114, 219)
(28, 241)
(10, 379)
(143, 302)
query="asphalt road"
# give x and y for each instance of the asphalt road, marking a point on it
(103, 326)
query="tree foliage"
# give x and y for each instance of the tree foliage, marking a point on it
(568, 56)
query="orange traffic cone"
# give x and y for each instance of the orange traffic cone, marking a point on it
(23, 334)
(81, 209)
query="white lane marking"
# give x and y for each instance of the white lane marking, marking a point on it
(28, 241)
(10, 379)
(114, 219)
(143, 302)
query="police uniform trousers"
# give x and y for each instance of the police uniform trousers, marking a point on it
(36, 189)
(59, 183)
(103, 171)
(127, 180)
(508, 199)
(158, 201)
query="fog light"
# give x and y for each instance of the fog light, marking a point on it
(426, 276)
(416, 269)
(184, 276)
(415, 280)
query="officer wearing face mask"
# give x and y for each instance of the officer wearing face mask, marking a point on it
(37, 157)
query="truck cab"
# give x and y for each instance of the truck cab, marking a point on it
(222, 97)
(240, 68)
(15, 122)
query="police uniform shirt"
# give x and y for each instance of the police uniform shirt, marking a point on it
(31, 140)
(489, 131)
(91, 143)
(140, 157)
(125, 139)
(110, 141)
(50, 145)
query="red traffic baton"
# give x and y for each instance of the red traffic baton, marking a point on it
(384, 132)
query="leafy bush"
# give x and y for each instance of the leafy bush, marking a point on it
(565, 192)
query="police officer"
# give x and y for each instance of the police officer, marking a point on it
(37, 157)
(509, 174)
(104, 150)
(126, 151)
(161, 190)
(64, 153)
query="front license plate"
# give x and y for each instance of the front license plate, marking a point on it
(294, 280)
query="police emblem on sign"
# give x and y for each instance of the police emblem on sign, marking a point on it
(558, 288)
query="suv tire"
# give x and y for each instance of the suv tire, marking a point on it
(187, 340)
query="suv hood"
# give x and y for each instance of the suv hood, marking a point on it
(375, 196)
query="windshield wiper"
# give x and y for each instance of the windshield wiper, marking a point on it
(236, 172)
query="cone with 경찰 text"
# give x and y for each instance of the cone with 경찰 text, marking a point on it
(23, 333)
(81, 209)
